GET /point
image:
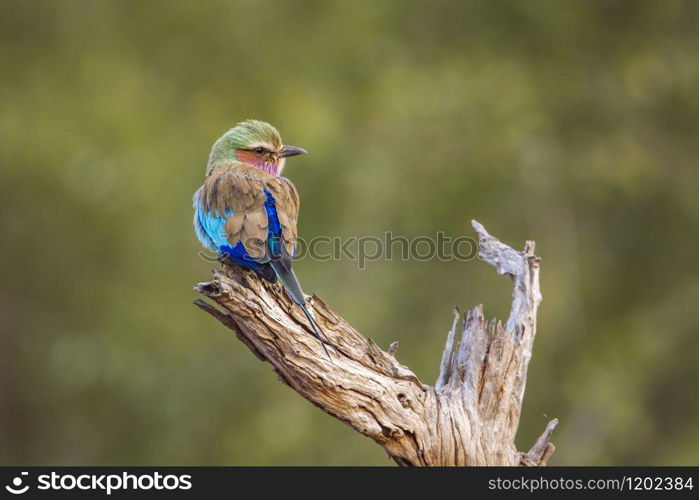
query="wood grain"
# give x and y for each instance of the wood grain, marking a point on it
(469, 417)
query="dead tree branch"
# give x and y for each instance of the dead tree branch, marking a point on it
(469, 417)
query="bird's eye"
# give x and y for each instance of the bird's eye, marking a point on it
(259, 151)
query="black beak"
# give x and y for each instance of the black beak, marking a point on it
(291, 151)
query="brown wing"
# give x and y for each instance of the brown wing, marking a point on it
(241, 200)
(287, 201)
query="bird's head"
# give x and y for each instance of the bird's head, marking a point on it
(254, 143)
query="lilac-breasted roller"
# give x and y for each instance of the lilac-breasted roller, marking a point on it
(246, 212)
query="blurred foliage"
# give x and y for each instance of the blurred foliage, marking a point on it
(572, 123)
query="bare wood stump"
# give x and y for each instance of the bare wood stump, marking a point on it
(469, 417)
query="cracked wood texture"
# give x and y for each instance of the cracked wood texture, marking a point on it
(469, 417)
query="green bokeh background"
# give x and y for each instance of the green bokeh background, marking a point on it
(569, 122)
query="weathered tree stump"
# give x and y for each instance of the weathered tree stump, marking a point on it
(469, 417)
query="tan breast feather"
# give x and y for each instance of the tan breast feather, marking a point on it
(227, 191)
(240, 189)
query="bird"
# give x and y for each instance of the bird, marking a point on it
(246, 212)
